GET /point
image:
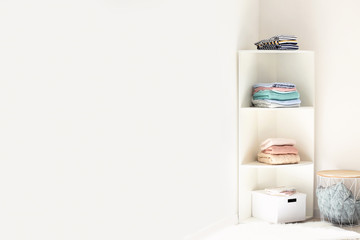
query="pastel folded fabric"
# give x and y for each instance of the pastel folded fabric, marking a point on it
(278, 159)
(274, 89)
(277, 142)
(281, 191)
(266, 103)
(274, 95)
(276, 84)
(284, 85)
(263, 85)
(281, 150)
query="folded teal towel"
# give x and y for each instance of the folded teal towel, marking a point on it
(282, 96)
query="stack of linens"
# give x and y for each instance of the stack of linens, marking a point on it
(278, 151)
(281, 191)
(275, 95)
(278, 42)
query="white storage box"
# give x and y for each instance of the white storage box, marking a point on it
(278, 209)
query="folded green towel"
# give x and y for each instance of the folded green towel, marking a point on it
(269, 94)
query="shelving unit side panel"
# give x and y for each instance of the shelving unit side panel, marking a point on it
(248, 75)
(247, 182)
(248, 136)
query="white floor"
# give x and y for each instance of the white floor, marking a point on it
(310, 230)
(353, 228)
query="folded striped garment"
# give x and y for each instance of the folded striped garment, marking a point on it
(285, 47)
(284, 85)
(275, 85)
(279, 42)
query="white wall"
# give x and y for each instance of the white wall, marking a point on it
(118, 118)
(329, 28)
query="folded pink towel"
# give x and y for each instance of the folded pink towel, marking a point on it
(281, 150)
(277, 142)
(278, 159)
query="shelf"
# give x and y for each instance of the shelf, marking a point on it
(306, 108)
(256, 164)
(276, 51)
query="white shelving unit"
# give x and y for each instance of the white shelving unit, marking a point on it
(258, 124)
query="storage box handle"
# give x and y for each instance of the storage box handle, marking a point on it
(291, 200)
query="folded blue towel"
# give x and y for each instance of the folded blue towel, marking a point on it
(262, 85)
(266, 103)
(287, 102)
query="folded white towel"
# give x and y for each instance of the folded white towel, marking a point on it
(277, 142)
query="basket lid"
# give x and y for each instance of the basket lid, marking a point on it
(339, 173)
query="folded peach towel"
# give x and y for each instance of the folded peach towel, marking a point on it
(281, 150)
(277, 142)
(278, 159)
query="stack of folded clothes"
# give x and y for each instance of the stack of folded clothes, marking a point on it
(279, 42)
(275, 95)
(281, 191)
(278, 151)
